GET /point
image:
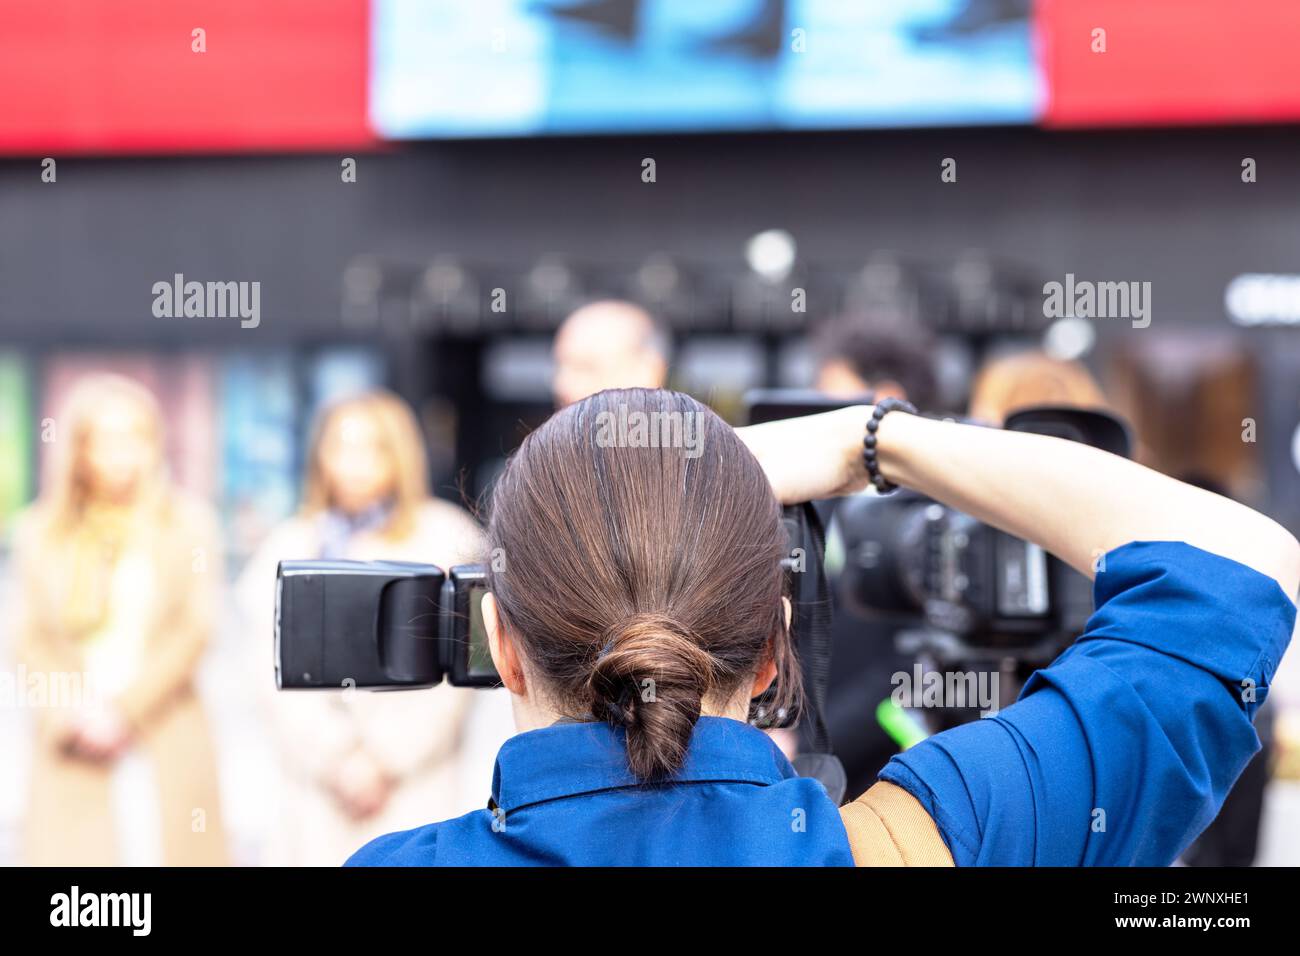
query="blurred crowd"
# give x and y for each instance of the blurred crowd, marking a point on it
(117, 588)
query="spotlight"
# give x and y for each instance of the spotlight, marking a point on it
(659, 279)
(1069, 339)
(771, 254)
(448, 293)
(363, 281)
(885, 287)
(551, 291)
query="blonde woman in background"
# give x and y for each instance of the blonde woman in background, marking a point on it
(355, 764)
(116, 569)
(1024, 379)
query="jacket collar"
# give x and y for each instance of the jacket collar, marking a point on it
(568, 759)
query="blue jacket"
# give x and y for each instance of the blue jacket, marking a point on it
(563, 795)
(1119, 753)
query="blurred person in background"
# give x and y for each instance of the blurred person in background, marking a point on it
(879, 355)
(1024, 379)
(116, 569)
(859, 355)
(608, 344)
(357, 763)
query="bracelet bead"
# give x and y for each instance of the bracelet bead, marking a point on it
(870, 458)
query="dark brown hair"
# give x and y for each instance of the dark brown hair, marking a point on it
(879, 346)
(639, 580)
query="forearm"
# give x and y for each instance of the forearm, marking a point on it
(1075, 501)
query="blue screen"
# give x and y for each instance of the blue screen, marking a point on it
(463, 68)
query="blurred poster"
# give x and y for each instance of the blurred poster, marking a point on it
(260, 410)
(268, 403)
(339, 373)
(17, 425)
(184, 386)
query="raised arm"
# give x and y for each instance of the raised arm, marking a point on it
(1074, 501)
(1122, 750)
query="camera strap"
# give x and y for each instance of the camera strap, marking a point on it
(816, 629)
(813, 620)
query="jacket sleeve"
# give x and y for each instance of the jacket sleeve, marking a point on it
(194, 565)
(410, 731)
(1122, 750)
(37, 643)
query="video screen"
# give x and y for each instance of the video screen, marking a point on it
(518, 67)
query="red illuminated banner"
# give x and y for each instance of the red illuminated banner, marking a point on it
(92, 76)
(1169, 61)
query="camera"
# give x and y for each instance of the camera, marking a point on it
(944, 587)
(380, 624)
(975, 591)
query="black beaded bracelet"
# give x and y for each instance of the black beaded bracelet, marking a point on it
(883, 407)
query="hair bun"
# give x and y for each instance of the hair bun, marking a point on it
(650, 678)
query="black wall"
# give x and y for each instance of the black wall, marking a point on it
(78, 257)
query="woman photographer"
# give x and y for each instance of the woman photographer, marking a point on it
(639, 610)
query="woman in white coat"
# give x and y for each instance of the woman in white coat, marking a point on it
(355, 764)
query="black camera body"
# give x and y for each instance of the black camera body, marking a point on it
(908, 555)
(380, 624)
(978, 591)
(974, 591)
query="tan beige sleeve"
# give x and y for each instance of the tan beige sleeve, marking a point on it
(408, 732)
(189, 585)
(888, 827)
(38, 642)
